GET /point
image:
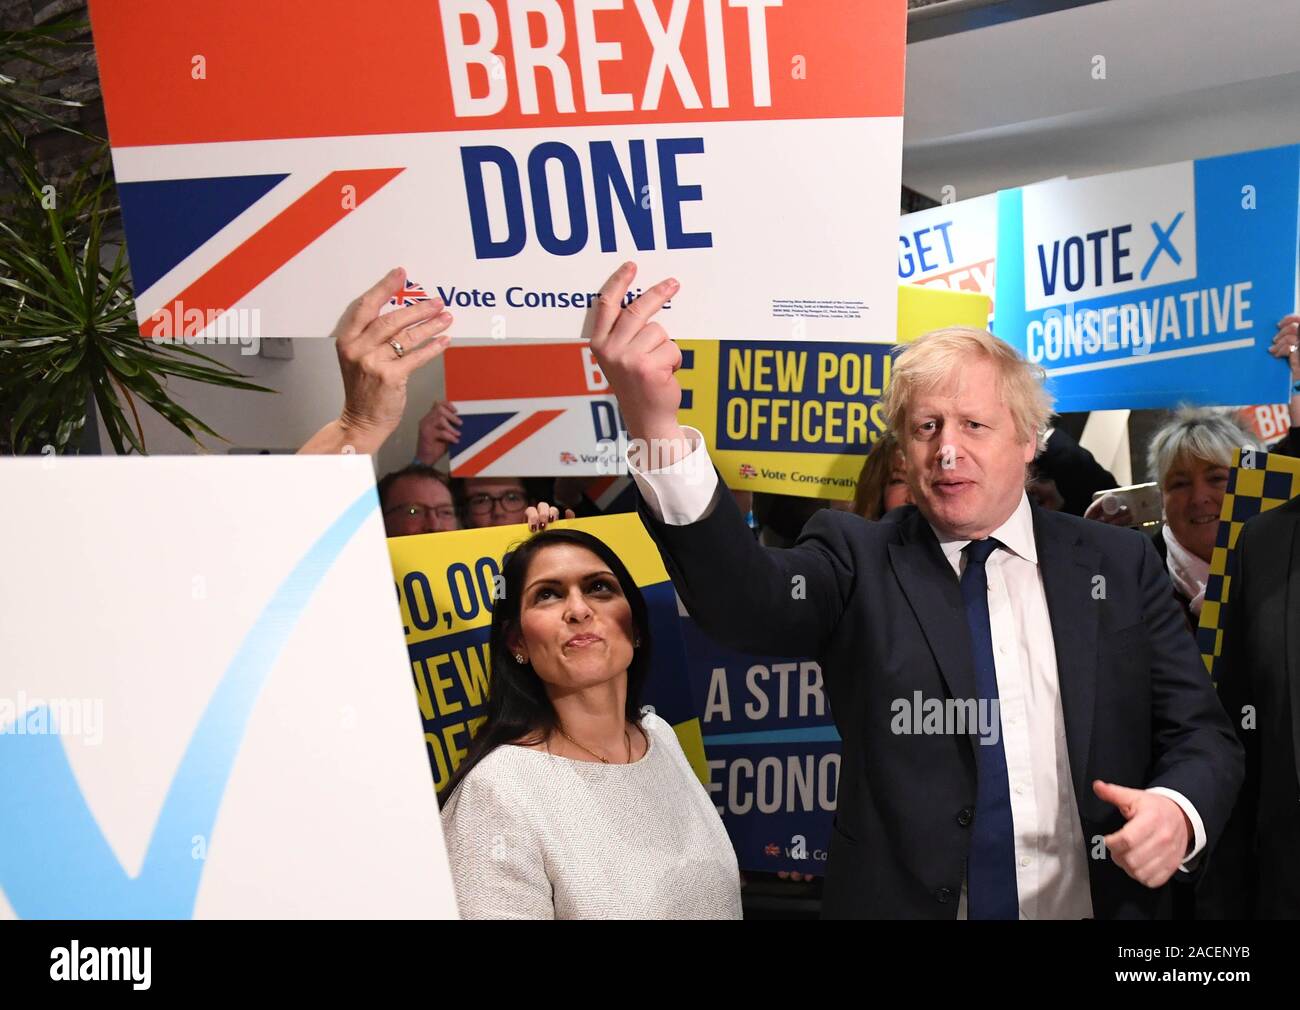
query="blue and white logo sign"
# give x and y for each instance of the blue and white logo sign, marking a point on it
(1151, 287)
(1090, 238)
(205, 700)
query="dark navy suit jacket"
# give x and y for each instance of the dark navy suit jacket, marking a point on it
(880, 608)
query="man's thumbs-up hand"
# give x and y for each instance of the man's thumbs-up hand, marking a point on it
(1156, 839)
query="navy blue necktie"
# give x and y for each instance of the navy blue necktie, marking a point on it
(991, 866)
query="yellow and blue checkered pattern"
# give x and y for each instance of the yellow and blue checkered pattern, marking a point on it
(1257, 482)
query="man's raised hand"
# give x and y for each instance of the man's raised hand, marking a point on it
(639, 359)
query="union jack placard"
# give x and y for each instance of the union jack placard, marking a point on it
(278, 158)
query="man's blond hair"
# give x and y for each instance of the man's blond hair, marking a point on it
(940, 356)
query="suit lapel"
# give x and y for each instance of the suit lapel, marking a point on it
(1068, 569)
(932, 589)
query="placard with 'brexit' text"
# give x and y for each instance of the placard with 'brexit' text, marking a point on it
(275, 160)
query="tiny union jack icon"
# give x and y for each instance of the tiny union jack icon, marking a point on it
(772, 849)
(747, 471)
(568, 457)
(410, 294)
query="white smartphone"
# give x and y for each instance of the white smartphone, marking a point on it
(1144, 502)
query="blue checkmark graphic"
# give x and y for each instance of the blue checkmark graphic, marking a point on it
(54, 859)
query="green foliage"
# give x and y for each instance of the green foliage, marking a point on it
(68, 333)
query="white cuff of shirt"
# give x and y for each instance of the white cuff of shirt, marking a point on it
(1198, 826)
(682, 492)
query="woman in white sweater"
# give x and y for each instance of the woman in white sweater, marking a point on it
(572, 803)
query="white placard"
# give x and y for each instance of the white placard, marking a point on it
(206, 707)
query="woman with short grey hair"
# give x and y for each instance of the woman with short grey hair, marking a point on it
(1190, 457)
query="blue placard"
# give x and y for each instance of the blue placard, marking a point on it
(1155, 287)
(773, 752)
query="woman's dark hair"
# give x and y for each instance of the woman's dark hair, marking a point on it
(518, 707)
(873, 479)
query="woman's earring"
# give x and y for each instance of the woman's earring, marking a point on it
(520, 658)
(636, 643)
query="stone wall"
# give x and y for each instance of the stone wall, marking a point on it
(75, 78)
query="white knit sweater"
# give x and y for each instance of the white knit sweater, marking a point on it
(536, 836)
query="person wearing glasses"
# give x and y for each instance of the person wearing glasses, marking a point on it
(417, 499)
(496, 501)
(493, 501)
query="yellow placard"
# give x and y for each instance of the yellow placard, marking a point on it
(446, 583)
(460, 569)
(922, 309)
(796, 417)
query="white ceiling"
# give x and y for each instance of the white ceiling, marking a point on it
(1017, 102)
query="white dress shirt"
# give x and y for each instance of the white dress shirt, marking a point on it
(1051, 859)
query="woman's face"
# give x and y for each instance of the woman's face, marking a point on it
(896, 490)
(575, 624)
(1193, 495)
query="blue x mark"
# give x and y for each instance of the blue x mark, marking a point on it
(1163, 244)
(55, 862)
